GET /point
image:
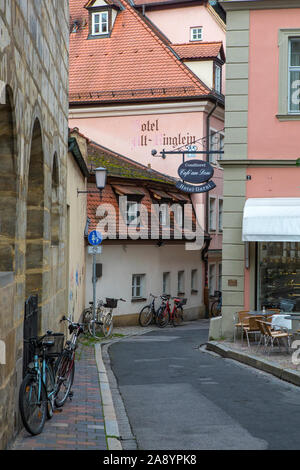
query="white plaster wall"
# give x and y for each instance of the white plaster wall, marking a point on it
(121, 261)
(203, 69)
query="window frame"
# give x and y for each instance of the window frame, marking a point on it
(220, 228)
(284, 36)
(166, 282)
(138, 213)
(218, 66)
(100, 13)
(212, 228)
(193, 28)
(180, 282)
(140, 286)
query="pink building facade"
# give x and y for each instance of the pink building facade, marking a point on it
(139, 118)
(261, 237)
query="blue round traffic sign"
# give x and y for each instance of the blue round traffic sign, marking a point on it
(95, 238)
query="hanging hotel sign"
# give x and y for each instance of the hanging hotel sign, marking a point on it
(194, 172)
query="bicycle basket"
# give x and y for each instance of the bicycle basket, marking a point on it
(182, 302)
(56, 349)
(111, 303)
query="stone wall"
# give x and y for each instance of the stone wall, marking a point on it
(34, 38)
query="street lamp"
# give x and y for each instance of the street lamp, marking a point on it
(101, 177)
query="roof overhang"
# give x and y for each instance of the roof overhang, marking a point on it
(271, 220)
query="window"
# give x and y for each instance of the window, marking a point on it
(196, 33)
(163, 214)
(194, 281)
(180, 283)
(220, 215)
(178, 215)
(212, 213)
(289, 75)
(132, 213)
(220, 278)
(294, 75)
(212, 279)
(218, 78)
(216, 142)
(138, 285)
(100, 23)
(166, 283)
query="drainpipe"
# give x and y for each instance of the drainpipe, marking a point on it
(207, 244)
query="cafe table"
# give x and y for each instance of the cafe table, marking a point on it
(278, 320)
(294, 318)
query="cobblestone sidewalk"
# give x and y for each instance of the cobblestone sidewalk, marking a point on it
(80, 425)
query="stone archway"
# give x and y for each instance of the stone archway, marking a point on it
(35, 217)
(8, 186)
(55, 210)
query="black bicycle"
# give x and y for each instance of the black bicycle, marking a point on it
(65, 368)
(149, 314)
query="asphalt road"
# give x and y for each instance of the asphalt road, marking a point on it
(178, 397)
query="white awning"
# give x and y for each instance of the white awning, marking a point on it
(271, 220)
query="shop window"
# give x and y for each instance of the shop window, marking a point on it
(279, 275)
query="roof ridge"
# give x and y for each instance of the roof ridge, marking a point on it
(169, 51)
(197, 43)
(131, 161)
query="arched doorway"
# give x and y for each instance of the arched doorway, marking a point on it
(8, 187)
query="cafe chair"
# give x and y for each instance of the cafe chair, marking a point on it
(271, 335)
(252, 328)
(240, 323)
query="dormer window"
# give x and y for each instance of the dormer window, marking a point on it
(102, 16)
(100, 23)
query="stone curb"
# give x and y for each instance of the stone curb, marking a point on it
(289, 375)
(110, 420)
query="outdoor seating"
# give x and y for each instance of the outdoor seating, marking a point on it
(241, 322)
(252, 327)
(270, 335)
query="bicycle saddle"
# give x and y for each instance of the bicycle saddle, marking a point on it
(48, 343)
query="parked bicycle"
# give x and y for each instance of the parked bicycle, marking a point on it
(149, 314)
(38, 391)
(216, 306)
(65, 368)
(174, 316)
(103, 323)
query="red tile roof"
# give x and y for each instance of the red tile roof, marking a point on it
(133, 63)
(163, 2)
(199, 50)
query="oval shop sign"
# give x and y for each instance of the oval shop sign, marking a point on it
(195, 171)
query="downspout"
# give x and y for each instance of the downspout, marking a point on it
(207, 243)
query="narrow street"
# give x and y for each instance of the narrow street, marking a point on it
(178, 396)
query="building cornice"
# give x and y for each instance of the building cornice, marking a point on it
(142, 109)
(233, 5)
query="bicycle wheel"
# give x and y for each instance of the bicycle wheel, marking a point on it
(33, 404)
(50, 387)
(64, 378)
(163, 318)
(107, 326)
(178, 316)
(145, 316)
(98, 328)
(215, 309)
